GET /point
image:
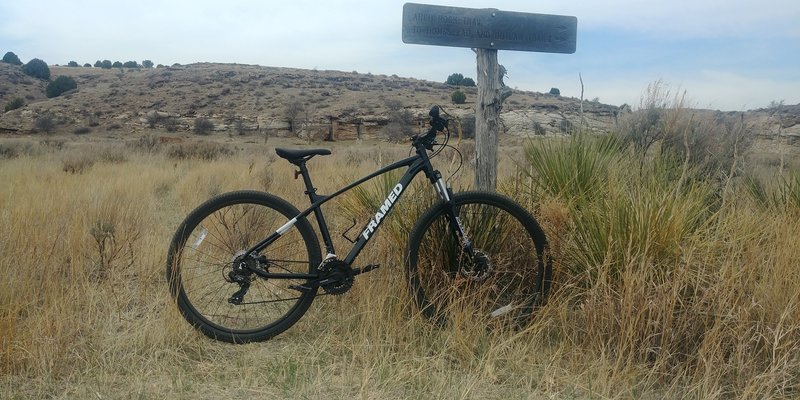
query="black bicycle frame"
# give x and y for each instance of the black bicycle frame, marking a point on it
(416, 164)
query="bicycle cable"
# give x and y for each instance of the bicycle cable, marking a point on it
(447, 141)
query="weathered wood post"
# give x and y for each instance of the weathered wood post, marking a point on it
(486, 31)
(491, 94)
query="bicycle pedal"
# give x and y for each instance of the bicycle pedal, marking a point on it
(366, 268)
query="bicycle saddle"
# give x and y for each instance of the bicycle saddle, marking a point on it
(296, 155)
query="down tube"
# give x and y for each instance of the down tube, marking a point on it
(380, 215)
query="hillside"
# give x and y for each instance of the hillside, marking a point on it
(249, 99)
(245, 98)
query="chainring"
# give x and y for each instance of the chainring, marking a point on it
(340, 274)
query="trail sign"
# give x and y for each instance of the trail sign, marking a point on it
(487, 31)
(488, 28)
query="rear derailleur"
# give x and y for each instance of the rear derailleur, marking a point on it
(241, 273)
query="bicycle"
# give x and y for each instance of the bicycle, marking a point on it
(472, 249)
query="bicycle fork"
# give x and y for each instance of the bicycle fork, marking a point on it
(446, 194)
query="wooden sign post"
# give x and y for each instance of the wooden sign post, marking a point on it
(486, 31)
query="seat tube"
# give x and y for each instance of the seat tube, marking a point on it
(311, 191)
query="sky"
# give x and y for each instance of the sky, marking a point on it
(729, 55)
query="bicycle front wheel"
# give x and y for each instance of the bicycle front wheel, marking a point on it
(215, 293)
(499, 272)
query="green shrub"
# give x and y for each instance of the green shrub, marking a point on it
(72, 64)
(60, 85)
(459, 80)
(555, 92)
(11, 58)
(14, 104)
(106, 64)
(147, 64)
(37, 69)
(454, 79)
(458, 97)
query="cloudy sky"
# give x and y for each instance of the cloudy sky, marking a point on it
(725, 54)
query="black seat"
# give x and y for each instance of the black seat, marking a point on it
(299, 155)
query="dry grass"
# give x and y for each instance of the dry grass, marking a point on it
(85, 311)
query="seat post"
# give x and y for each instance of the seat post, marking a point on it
(311, 191)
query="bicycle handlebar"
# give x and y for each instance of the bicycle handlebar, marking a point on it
(438, 123)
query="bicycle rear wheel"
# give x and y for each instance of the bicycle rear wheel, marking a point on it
(503, 276)
(208, 246)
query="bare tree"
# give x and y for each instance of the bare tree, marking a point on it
(294, 112)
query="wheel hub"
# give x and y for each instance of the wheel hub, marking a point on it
(477, 266)
(241, 272)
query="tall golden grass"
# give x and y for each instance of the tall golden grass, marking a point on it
(663, 290)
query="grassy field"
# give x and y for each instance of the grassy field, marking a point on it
(671, 282)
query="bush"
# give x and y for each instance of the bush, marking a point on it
(454, 79)
(400, 126)
(566, 126)
(77, 163)
(44, 123)
(199, 151)
(555, 92)
(60, 85)
(147, 64)
(11, 58)
(294, 111)
(14, 104)
(202, 126)
(106, 64)
(37, 69)
(73, 64)
(468, 126)
(458, 97)
(459, 80)
(170, 124)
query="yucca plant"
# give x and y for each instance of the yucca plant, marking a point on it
(638, 221)
(783, 193)
(574, 169)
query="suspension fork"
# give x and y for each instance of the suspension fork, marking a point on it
(446, 194)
